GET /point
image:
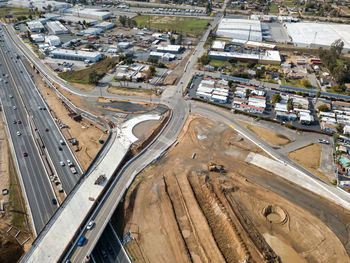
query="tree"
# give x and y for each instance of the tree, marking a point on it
(49, 7)
(172, 40)
(247, 92)
(323, 107)
(152, 70)
(122, 20)
(290, 105)
(276, 98)
(179, 39)
(305, 83)
(208, 8)
(94, 77)
(204, 59)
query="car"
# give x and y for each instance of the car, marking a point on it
(14, 107)
(11, 96)
(104, 254)
(81, 241)
(69, 163)
(54, 201)
(59, 148)
(62, 163)
(14, 121)
(18, 133)
(62, 142)
(25, 154)
(323, 141)
(19, 121)
(90, 225)
(46, 129)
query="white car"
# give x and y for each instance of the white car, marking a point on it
(18, 133)
(62, 163)
(69, 163)
(14, 107)
(90, 225)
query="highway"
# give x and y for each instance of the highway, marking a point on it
(43, 120)
(38, 191)
(24, 91)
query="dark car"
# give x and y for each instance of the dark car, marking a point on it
(59, 148)
(25, 154)
(54, 201)
(14, 121)
(81, 241)
(46, 129)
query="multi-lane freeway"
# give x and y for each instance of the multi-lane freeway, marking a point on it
(31, 106)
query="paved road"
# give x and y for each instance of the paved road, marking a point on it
(43, 120)
(36, 184)
(171, 97)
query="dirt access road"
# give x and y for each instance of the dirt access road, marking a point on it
(178, 211)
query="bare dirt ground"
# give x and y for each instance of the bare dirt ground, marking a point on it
(267, 135)
(83, 86)
(131, 92)
(143, 129)
(85, 132)
(178, 211)
(309, 157)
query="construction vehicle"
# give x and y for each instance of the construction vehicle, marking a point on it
(214, 167)
(73, 170)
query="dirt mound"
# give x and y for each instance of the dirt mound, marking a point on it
(275, 214)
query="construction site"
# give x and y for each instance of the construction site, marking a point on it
(202, 202)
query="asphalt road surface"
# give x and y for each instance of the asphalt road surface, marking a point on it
(42, 119)
(36, 184)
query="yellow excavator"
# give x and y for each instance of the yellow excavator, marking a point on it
(214, 167)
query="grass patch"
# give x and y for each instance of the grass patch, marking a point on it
(273, 9)
(219, 63)
(15, 11)
(18, 211)
(82, 76)
(291, 82)
(130, 91)
(184, 25)
(287, 3)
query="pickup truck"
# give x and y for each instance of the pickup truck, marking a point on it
(73, 170)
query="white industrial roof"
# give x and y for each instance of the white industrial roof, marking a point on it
(205, 89)
(259, 44)
(75, 19)
(319, 34)
(35, 24)
(61, 51)
(240, 28)
(270, 55)
(218, 45)
(56, 26)
(175, 48)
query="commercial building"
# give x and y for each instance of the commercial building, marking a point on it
(35, 26)
(105, 25)
(91, 31)
(38, 38)
(162, 56)
(175, 49)
(98, 14)
(124, 45)
(252, 44)
(40, 4)
(306, 118)
(53, 40)
(76, 20)
(57, 28)
(240, 29)
(218, 46)
(267, 57)
(318, 34)
(76, 55)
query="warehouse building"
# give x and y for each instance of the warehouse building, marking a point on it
(105, 25)
(268, 57)
(35, 26)
(92, 31)
(38, 38)
(77, 20)
(76, 55)
(162, 56)
(174, 49)
(218, 45)
(318, 34)
(57, 28)
(98, 14)
(240, 29)
(53, 40)
(40, 4)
